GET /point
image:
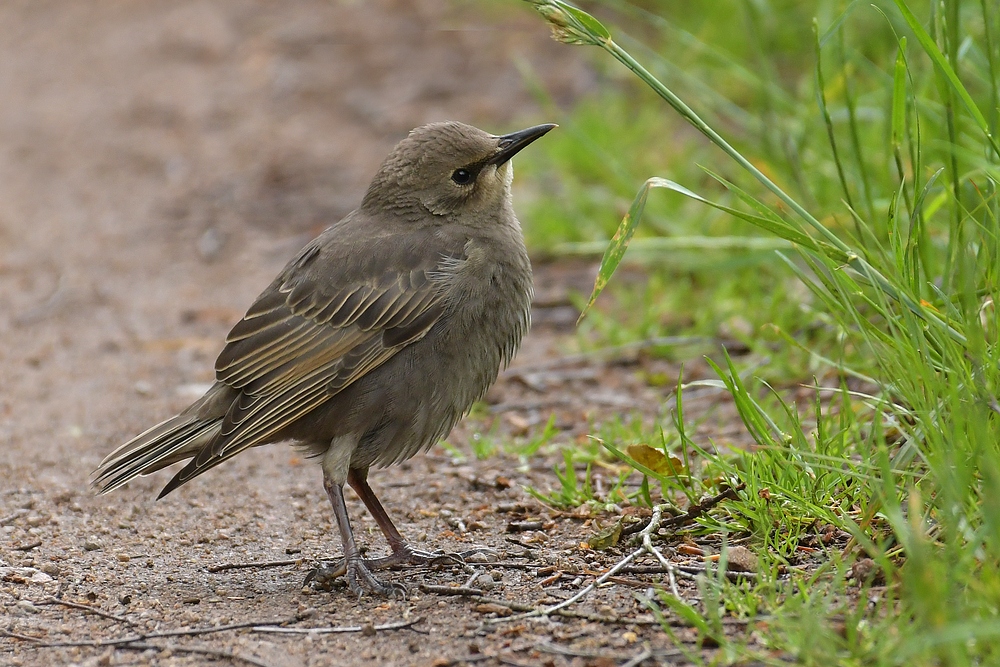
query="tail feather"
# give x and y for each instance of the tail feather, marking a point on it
(173, 440)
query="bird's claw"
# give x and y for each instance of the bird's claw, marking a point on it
(360, 579)
(358, 575)
(359, 571)
(324, 574)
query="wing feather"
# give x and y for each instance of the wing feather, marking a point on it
(302, 341)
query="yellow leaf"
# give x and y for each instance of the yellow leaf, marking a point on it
(655, 460)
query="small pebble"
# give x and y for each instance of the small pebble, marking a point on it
(91, 544)
(485, 582)
(742, 559)
(866, 570)
(479, 557)
(26, 606)
(40, 578)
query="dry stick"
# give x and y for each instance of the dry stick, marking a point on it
(636, 582)
(729, 493)
(506, 660)
(28, 547)
(398, 625)
(640, 658)
(200, 650)
(463, 659)
(122, 641)
(549, 647)
(10, 518)
(566, 613)
(693, 513)
(243, 566)
(685, 571)
(565, 603)
(83, 607)
(645, 536)
(647, 545)
(437, 589)
(654, 525)
(26, 638)
(472, 577)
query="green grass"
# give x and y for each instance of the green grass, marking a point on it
(862, 147)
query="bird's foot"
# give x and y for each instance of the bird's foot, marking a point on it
(359, 577)
(326, 572)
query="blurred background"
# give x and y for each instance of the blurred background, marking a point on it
(159, 162)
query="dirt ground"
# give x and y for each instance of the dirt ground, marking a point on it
(159, 163)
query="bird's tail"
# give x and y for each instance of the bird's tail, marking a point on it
(173, 440)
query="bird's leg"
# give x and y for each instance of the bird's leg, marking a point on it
(401, 551)
(359, 577)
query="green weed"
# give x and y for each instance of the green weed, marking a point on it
(873, 158)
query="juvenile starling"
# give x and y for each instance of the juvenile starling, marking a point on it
(375, 339)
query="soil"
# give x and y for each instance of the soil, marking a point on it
(159, 163)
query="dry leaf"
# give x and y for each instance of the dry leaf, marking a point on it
(606, 537)
(655, 460)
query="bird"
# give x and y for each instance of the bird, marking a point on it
(374, 340)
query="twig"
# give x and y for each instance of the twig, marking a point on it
(199, 650)
(507, 660)
(567, 613)
(10, 518)
(645, 538)
(121, 641)
(647, 544)
(641, 584)
(549, 647)
(472, 578)
(689, 571)
(27, 547)
(640, 658)
(26, 638)
(398, 625)
(732, 575)
(450, 590)
(243, 566)
(514, 540)
(729, 493)
(83, 607)
(548, 581)
(648, 569)
(633, 528)
(583, 592)
(463, 659)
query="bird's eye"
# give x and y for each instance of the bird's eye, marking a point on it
(462, 176)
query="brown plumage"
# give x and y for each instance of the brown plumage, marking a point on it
(375, 340)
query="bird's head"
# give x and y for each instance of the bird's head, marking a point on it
(448, 169)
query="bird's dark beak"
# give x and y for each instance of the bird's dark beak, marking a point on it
(510, 144)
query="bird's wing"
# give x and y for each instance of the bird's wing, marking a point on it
(307, 337)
